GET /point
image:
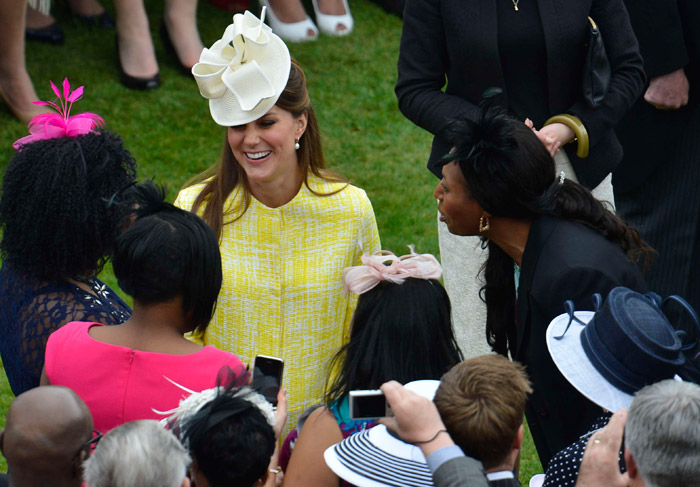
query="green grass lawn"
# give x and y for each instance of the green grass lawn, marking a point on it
(172, 136)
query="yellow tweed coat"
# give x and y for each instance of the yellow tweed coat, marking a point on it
(282, 293)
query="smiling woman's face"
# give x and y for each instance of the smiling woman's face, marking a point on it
(265, 147)
(458, 208)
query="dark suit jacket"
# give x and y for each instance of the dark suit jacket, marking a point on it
(458, 40)
(669, 39)
(460, 472)
(504, 483)
(562, 260)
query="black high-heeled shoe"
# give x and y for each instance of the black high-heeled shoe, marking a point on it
(170, 49)
(51, 34)
(103, 20)
(134, 82)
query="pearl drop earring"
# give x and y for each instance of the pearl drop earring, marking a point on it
(296, 144)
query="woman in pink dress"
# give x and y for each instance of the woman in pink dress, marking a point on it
(168, 260)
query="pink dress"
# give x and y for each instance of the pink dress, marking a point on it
(120, 384)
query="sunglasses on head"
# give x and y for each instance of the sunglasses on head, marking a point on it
(96, 437)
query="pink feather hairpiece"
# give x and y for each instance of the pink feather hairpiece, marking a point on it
(54, 125)
(385, 266)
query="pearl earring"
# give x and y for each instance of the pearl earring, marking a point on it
(296, 144)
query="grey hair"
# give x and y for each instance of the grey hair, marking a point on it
(663, 433)
(139, 453)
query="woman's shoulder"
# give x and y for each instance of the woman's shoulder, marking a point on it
(185, 198)
(211, 354)
(561, 235)
(338, 191)
(73, 329)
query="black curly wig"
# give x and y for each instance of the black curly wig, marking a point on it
(56, 208)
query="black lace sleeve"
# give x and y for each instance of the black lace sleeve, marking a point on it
(31, 310)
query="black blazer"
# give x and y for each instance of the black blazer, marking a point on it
(504, 483)
(458, 40)
(562, 260)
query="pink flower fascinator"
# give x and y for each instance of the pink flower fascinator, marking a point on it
(61, 124)
(385, 266)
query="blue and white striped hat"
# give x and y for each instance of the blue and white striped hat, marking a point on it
(377, 458)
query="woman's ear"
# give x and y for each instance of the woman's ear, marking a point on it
(301, 122)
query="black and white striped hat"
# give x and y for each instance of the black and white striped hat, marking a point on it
(376, 458)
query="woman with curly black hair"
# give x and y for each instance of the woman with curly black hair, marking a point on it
(59, 227)
(549, 240)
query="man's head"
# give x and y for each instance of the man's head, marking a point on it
(139, 453)
(662, 435)
(482, 402)
(44, 437)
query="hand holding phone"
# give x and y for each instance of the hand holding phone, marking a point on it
(267, 376)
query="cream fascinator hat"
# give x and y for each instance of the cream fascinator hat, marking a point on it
(243, 73)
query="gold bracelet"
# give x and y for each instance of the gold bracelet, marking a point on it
(575, 124)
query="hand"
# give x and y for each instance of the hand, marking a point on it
(669, 91)
(281, 412)
(548, 137)
(416, 419)
(601, 464)
(561, 133)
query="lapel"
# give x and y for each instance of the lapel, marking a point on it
(552, 26)
(558, 19)
(474, 44)
(540, 231)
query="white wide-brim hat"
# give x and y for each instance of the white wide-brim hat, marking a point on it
(633, 339)
(376, 458)
(244, 73)
(571, 360)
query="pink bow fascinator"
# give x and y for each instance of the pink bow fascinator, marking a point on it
(61, 124)
(385, 266)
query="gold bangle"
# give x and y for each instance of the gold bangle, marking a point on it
(575, 124)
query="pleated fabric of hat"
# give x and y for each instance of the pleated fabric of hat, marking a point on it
(376, 458)
(244, 73)
(611, 354)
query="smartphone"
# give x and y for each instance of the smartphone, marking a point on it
(368, 404)
(267, 376)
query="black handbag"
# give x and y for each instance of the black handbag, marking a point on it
(596, 68)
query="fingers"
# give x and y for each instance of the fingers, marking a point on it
(390, 423)
(669, 91)
(281, 412)
(612, 433)
(282, 400)
(600, 464)
(392, 391)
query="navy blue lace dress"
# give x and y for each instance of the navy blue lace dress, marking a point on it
(31, 309)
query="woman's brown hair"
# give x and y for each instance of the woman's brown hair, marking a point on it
(227, 174)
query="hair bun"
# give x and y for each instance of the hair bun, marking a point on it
(146, 199)
(472, 139)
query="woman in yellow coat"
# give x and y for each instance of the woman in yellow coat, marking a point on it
(287, 227)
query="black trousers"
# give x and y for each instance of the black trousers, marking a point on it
(665, 209)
